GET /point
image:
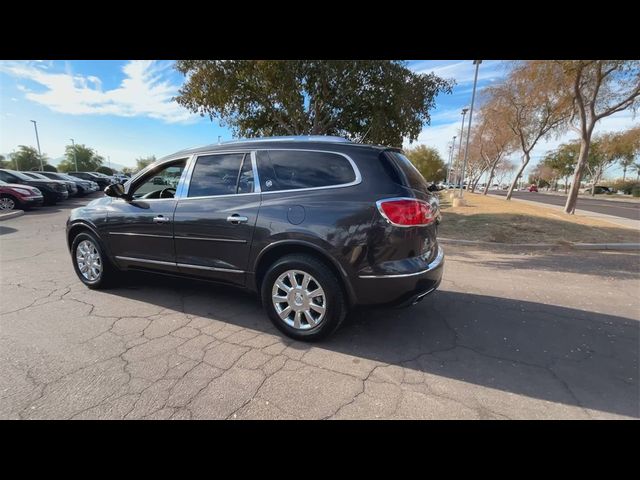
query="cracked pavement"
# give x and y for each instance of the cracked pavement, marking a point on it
(509, 335)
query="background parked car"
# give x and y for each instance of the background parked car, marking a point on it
(53, 191)
(111, 178)
(72, 188)
(101, 181)
(600, 189)
(84, 186)
(13, 196)
(533, 188)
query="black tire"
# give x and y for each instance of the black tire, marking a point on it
(105, 279)
(9, 202)
(336, 305)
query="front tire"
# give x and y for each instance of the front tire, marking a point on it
(303, 297)
(90, 262)
(8, 203)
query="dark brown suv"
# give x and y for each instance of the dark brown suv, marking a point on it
(314, 225)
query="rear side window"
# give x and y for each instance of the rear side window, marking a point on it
(293, 169)
(414, 178)
(219, 175)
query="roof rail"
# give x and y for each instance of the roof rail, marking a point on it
(292, 138)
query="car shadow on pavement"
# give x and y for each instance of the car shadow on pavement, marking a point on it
(4, 230)
(536, 351)
(618, 265)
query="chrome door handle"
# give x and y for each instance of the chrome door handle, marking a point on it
(161, 219)
(237, 219)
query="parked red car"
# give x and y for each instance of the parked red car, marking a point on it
(533, 188)
(14, 195)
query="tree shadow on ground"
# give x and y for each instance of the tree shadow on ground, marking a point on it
(561, 355)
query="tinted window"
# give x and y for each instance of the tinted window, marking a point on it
(215, 175)
(413, 176)
(290, 169)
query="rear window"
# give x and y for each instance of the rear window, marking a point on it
(293, 169)
(414, 178)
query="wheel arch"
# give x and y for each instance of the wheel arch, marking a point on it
(274, 251)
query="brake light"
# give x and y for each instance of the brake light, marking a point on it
(406, 212)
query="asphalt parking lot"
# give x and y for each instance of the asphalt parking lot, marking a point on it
(545, 335)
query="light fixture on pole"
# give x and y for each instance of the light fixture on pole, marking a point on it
(464, 112)
(35, 125)
(451, 149)
(466, 150)
(75, 159)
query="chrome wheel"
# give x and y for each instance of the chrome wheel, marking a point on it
(88, 260)
(299, 300)
(7, 203)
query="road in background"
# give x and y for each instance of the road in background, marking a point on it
(622, 209)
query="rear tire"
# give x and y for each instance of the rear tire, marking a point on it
(90, 262)
(291, 296)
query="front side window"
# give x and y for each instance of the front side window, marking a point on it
(223, 174)
(160, 182)
(293, 169)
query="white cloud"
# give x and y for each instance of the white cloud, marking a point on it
(463, 72)
(144, 91)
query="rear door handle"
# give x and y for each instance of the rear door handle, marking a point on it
(161, 219)
(237, 219)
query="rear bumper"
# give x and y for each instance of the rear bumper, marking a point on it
(400, 289)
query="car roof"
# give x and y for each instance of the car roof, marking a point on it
(306, 142)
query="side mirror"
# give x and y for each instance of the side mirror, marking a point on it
(114, 190)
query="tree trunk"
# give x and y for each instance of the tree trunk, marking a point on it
(624, 173)
(525, 161)
(572, 198)
(491, 173)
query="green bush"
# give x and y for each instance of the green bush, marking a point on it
(636, 191)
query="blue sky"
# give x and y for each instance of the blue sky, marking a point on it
(124, 108)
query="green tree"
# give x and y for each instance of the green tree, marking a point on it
(27, 158)
(128, 170)
(142, 162)
(105, 170)
(428, 161)
(49, 168)
(4, 163)
(380, 101)
(563, 161)
(87, 158)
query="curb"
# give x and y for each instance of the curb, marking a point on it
(14, 214)
(544, 246)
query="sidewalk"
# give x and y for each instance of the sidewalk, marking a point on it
(625, 222)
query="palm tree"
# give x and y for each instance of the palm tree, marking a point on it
(636, 167)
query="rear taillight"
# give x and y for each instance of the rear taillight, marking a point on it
(406, 212)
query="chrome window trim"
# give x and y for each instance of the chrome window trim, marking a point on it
(356, 170)
(433, 264)
(392, 199)
(144, 260)
(256, 177)
(229, 240)
(214, 269)
(130, 234)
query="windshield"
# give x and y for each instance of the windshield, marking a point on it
(20, 175)
(3, 183)
(37, 175)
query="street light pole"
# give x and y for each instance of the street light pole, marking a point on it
(451, 149)
(464, 112)
(75, 159)
(35, 125)
(466, 150)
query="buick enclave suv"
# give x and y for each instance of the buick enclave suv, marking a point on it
(314, 225)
